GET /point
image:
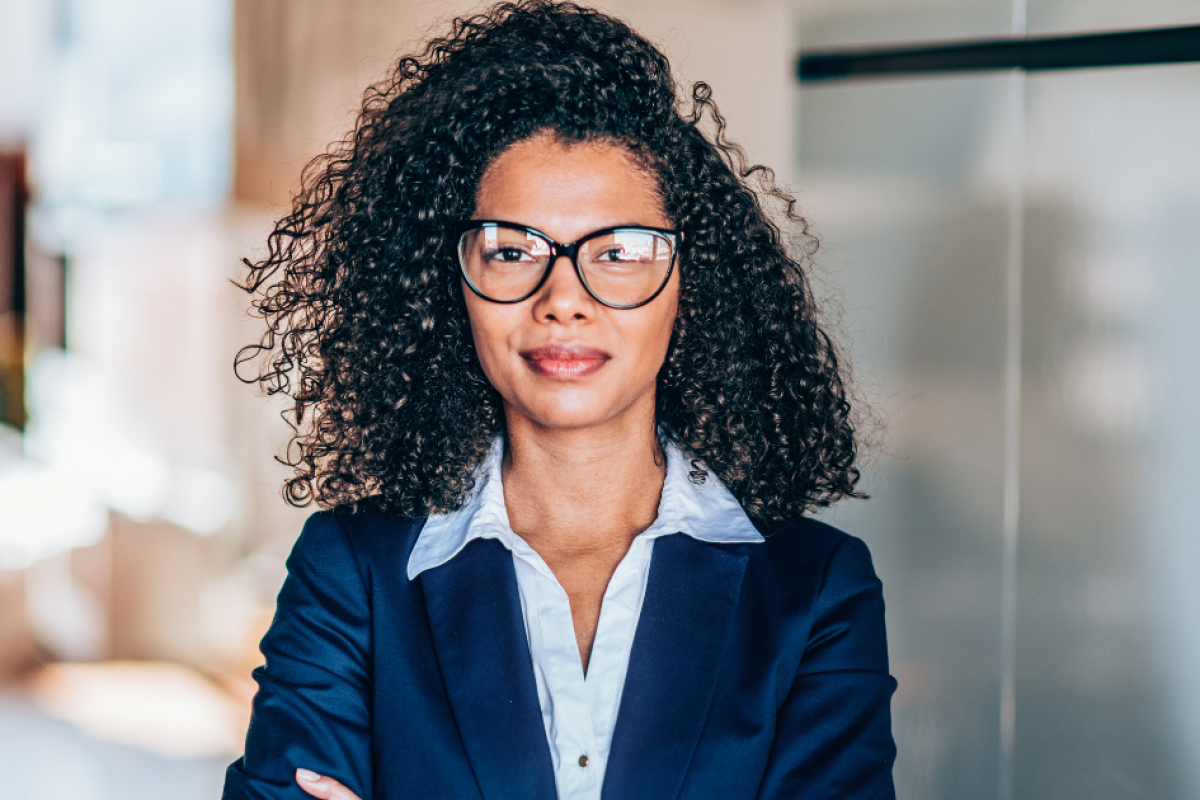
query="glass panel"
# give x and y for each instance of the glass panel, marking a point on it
(1073, 16)
(1108, 643)
(907, 182)
(835, 23)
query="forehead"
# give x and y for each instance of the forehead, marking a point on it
(546, 176)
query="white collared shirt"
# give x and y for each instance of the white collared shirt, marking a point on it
(580, 711)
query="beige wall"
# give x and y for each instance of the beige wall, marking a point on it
(743, 49)
(302, 65)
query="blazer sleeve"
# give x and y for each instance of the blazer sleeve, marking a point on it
(833, 737)
(313, 706)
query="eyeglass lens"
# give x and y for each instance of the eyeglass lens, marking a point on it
(624, 267)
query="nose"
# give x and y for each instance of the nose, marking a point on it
(563, 297)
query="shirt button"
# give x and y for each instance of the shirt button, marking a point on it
(583, 761)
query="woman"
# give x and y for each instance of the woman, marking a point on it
(566, 398)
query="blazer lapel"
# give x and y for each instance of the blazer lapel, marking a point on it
(691, 597)
(474, 612)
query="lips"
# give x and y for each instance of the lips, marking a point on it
(565, 362)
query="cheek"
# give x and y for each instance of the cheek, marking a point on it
(489, 332)
(670, 311)
(654, 334)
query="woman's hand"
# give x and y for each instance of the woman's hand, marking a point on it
(323, 787)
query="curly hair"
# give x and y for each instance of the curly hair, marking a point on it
(366, 324)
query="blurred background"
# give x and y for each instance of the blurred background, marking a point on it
(1015, 254)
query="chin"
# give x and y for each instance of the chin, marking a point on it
(567, 419)
(570, 411)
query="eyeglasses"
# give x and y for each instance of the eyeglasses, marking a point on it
(622, 267)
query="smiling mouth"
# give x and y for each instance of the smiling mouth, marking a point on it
(565, 362)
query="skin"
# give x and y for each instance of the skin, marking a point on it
(583, 472)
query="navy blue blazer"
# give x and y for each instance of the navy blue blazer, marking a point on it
(757, 671)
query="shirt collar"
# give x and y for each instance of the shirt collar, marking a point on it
(706, 511)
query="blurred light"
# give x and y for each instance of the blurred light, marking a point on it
(137, 107)
(120, 174)
(164, 708)
(80, 424)
(135, 481)
(200, 499)
(87, 452)
(66, 618)
(42, 513)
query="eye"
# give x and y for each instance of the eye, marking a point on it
(615, 254)
(508, 255)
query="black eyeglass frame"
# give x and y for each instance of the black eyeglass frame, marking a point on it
(558, 249)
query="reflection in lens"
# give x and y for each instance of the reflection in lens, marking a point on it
(625, 267)
(503, 263)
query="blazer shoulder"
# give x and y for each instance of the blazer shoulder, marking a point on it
(805, 550)
(804, 537)
(366, 534)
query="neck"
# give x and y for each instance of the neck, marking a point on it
(583, 490)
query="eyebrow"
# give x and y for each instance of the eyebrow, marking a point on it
(667, 227)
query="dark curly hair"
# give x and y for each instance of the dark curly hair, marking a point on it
(367, 329)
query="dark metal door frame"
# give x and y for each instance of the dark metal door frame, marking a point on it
(1117, 49)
